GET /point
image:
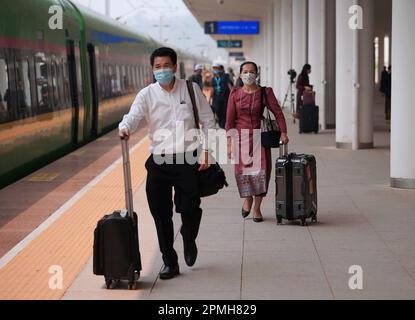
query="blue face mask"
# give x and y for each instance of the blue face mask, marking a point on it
(216, 72)
(164, 76)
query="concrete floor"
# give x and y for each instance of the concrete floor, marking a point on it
(362, 221)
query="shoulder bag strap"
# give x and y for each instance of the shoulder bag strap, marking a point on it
(193, 98)
(265, 106)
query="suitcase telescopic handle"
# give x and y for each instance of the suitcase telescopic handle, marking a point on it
(283, 149)
(127, 177)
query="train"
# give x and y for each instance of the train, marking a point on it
(62, 87)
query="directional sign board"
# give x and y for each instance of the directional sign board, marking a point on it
(232, 27)
(236, 54)
(230, 43)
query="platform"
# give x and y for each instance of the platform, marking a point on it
(362, 221)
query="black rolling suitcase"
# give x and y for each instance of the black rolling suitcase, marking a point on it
(296, 194)
(116, 248)
(309, 119)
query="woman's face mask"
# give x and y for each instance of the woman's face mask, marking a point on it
(248, 78)
(164, 76)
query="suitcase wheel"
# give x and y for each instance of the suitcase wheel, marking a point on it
(314, 219)
(304, 222)
(279, 220)
(108, 284)
(132, 285)
(111, 284)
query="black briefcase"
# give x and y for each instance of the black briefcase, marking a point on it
(212, 180)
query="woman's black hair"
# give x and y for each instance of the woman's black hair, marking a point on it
(246, 63)
(307, 67)
(164, 52)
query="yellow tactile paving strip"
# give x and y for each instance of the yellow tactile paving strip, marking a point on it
(68, 242)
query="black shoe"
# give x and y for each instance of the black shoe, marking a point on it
(245, 214)
(258, 220)
(169, 272)
(190, 252)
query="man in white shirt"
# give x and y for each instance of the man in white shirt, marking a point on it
(167, 108)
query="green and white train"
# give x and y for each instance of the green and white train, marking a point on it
(62, 88)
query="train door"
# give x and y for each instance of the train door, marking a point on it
(94, 89)
(73, 85)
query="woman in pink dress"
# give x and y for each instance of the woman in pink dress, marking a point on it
(253, 162)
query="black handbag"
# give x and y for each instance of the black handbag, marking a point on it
(270, 132)
(213, 179)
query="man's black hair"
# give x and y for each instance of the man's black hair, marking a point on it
(164, 52)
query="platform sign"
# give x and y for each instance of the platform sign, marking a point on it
(230, 43)
(232, 27)
(236, 54)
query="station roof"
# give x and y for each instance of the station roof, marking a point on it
(213, 10)
(229, 10)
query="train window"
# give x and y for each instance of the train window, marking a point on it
(59, 74)
(42, 86)
(23, 87)
(117, 82)
(110, 81)
(130, 79)
(124, 80)
(55, 89)
(66, 83)
(134, 75)
(4, 87)
(105, 82)
(137, 74)
(134, 72)
(80, 79)
(141, 77)
(133, 78)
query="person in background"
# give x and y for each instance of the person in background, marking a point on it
(197, 75)
(228, 75)
(207, 86)
(222, 87)
(167, 105)
(231, 75)
(388, 94)
(303, 84)
(245, 112)
(383, 80)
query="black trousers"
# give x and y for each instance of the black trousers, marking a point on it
(220, 105)
(161, 180)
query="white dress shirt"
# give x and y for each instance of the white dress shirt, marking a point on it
(170, 118)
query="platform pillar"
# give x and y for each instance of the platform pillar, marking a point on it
(403, 109)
